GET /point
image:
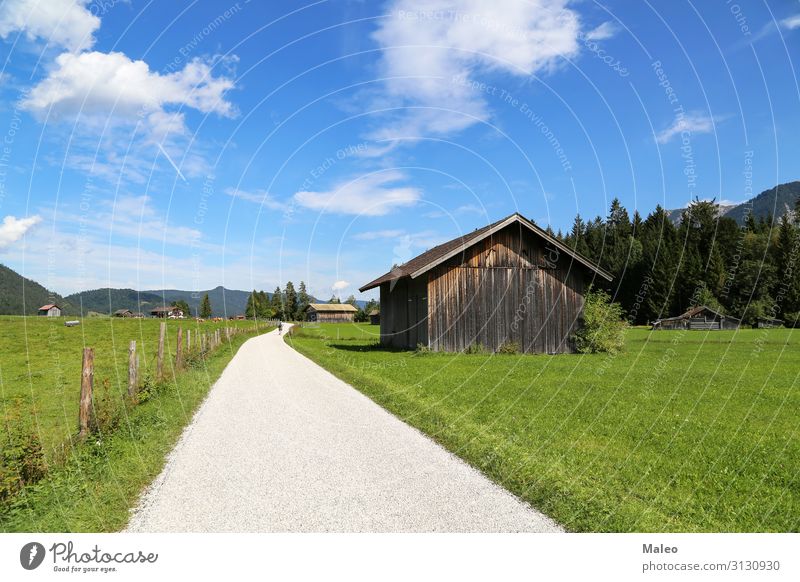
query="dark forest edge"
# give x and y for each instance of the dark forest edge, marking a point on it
(662, 269)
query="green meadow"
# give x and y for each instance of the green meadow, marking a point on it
(91, 486)
(681, 432)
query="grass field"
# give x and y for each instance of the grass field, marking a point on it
(93, 487)
(684, 431)
(40, 363)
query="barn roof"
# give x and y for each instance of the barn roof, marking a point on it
(331, 307)
(374, 312)
(694, 311)
(47, 307)
(429, 259)
(162, 309)
(121, 311)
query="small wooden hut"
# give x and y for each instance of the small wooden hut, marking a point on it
(507, 283)
(701, 318)
(330, 312)
(768, 322)
(123, 313)
(171, 312)
(50, 310)
(374, 317)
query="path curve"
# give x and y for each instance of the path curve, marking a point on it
(282, 445)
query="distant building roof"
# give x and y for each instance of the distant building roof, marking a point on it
(122, 311)
(331, 307)
(163, 309)
(694, 311)
(374, 312)
(47, 307)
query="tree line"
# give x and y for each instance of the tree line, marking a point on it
(290, 304)
(661, 268)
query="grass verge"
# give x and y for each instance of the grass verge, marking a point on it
(94, 487)
(682, 432)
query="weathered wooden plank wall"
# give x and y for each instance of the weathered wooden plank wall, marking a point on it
(327, 317)
(404, 319)
(508, 288)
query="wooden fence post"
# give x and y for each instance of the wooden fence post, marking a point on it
(87, 384)
(179, 350)
(188, 340)
(160, 359)
(133, 370)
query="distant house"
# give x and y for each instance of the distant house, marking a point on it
(768, 322)
(374, 317)
(330, 312)
(167, 312)
(510, 282)
(123, 313)
(50, 310)
(699, 318)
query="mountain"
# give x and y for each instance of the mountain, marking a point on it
(109, 300)
(224, 302)
(21, 296)
(774, 202)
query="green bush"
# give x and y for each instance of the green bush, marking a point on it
(477, 348)
(509, 348)
(22, 459)
(108, 409)
(603, 327)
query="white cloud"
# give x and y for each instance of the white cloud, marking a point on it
(433, 50)
(97, 85)
(134, 218)
(370, 195)
(340, 285)
(119, 110)
(692, 123)
(12, 229)
(603, 32)
(65, 23)
(791, 22)
(261, 197)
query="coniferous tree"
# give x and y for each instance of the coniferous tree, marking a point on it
(290, 301)
(277, 304)
(205, 307)
(302, 301)
(251, 310)
(264, 307)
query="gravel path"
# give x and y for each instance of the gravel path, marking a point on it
(281, 445)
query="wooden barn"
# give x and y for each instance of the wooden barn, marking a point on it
(50, 310)
(171, 312)
(768, 322)
(330, 312)
(374, 317)
(123, 313)
(508, 282)
(701, 318)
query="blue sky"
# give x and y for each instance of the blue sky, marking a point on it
(188, 145)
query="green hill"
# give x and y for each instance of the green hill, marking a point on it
(21, 296)
(224, 302)
(107, 300)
